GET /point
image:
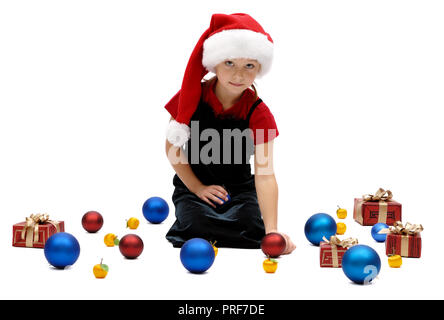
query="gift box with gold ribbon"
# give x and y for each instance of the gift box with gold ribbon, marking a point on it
(332, 251)
(380, 207)
(35, 231)
(403, 240)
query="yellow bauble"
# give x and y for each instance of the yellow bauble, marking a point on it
(341, 213)
(340, 228)
(270, 265)
(100, 270)
(395, 261)
(111, 240)
(132, 223)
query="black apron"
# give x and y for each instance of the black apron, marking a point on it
(237, 223)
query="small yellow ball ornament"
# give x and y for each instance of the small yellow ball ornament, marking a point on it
(270, 265)
(341, 213)
(132, 223)
(100, 270)
(340, 228)
(395, 261)
(111, 240)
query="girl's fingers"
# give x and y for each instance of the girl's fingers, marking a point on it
(289, 249)
(292, 247)
(214, 190)
(204, 197)
(209, 202)
(222, 195)
(221, 190)
(216, 199)
(208, 197)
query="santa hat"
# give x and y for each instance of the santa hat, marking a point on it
(228, 37)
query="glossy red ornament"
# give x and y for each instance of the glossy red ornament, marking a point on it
(273, 244)
(92, 221)
(131, 246)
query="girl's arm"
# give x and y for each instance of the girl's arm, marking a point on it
(180, 164)
(267, 190)
(266, 185)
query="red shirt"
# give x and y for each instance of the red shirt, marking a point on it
(261, 118)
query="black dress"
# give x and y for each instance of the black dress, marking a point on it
(237, 223)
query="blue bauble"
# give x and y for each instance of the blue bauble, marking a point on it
(361, 264)
(318, 226)
(376, 228)
(155, 210)
(62, 249)
(197, 255)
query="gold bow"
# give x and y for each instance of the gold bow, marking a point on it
(380, 195)
(404, 231)
(399, 228)
(346, 243)
(32, 227)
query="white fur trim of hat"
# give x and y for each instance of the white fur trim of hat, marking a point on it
(237, 43)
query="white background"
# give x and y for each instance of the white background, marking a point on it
(356, 89)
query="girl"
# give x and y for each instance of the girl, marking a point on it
(216, 197)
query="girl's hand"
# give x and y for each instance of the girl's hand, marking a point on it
(210, 193)
(290, 245)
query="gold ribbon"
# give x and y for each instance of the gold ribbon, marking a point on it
(346, 243)
(405, 231)
(334, 242)
(409, 229)
(31, 229)
(382, 196)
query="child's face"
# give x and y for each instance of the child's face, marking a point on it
(236, 75)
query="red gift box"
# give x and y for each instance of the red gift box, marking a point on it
(372, 209)
(35, 231)
(404, 241)
(330, 257)
(332, 251)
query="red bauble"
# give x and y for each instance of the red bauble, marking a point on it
(92, 221)
(273, 244)
(131, 246)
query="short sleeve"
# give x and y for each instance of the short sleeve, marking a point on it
(173, 104)
(263, 125)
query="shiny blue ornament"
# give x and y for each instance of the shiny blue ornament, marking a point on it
(197, 255)
(376, 228)
(62, 249)
(155, 210)
(318, 226)
(361, 264)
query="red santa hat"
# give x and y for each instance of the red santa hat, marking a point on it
(228, 37)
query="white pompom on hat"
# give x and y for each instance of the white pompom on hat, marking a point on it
(228, 37)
